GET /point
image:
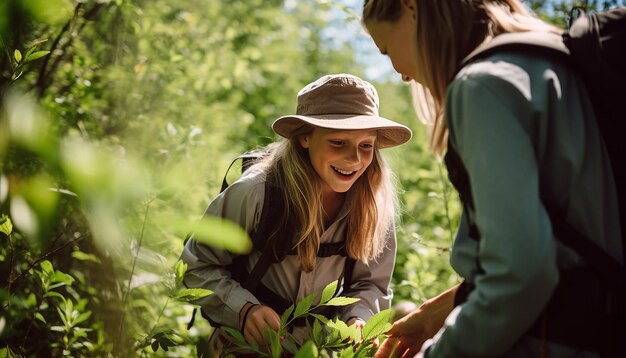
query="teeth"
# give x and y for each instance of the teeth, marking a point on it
(342, 171)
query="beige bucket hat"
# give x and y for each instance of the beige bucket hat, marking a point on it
(342, 102)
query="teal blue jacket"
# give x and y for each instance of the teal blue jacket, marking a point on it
(520, 122)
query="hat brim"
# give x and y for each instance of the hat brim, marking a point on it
(390, 133)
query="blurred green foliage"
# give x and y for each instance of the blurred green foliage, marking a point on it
(118, 119)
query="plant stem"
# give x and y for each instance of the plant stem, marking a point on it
(46, 255)
(132, 271)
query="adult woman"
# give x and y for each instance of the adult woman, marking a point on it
(524, 132)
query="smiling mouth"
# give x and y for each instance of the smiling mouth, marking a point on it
(343, 172)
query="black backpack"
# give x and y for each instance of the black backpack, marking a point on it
(269, 239)
(594, 47)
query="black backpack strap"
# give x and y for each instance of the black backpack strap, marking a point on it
(347, 273)
(247, 159)
(265, 238)
(521, 42)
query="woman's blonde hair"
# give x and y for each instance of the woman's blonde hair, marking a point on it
(460, 25)
(372, 198)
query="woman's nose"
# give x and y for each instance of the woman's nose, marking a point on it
(406, 78)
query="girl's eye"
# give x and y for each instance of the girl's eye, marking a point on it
(336, 142)
(367, 146)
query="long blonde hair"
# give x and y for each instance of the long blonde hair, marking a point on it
(460, 25)
(373, 200)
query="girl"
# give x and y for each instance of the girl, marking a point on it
(336, 188)
(523, 131)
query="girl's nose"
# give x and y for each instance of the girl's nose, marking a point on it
(406, 78)
(353, 155)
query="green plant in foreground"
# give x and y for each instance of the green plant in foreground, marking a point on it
(163, 336)
(327, 337)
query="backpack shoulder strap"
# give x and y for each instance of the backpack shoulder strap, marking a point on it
(271, 215)
(526, 42)
(247, 159)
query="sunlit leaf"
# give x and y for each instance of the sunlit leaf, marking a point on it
(377, 324)
(6, 226)
(60, 277)
(36, 55)
(342, 327)
(328, 292)
(46, 267)
(218, 233)
(192, 294)
(180, 269)
(341, 301)
(83, 256)
(24, 217)
(17, 55)
(308, 350)
(303, 305)
(53, 12)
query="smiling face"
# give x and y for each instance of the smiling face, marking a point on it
(339, 157)
(398, 40)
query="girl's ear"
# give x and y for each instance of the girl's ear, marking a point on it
(304, 141)
(411, 7)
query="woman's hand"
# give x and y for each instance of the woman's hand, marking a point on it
(254, 319)
(408, 334)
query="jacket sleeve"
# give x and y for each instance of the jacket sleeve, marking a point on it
(489, 119)
(371, 283)
(242, 203)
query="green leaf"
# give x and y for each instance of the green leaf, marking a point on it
(192, 294)
(377, 324)
(234, 333)
(342, 327)
(308, 350)
(317, 332)
(285, 316)
(54, 294)
(347, 353)
(59, 276)
(220, 233)
(30, 301)
(180, 268)
(155, 345)
(341, 301)
(81, 318)
(57, 328)
(303, 306)
(274, 338)
(46, 267)
(39, 316)
(319, 317)
(63, 318)
(290, 346)
(35, 55)
(6, 226)
(17, 55)
(329, 291)
(83, 256)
